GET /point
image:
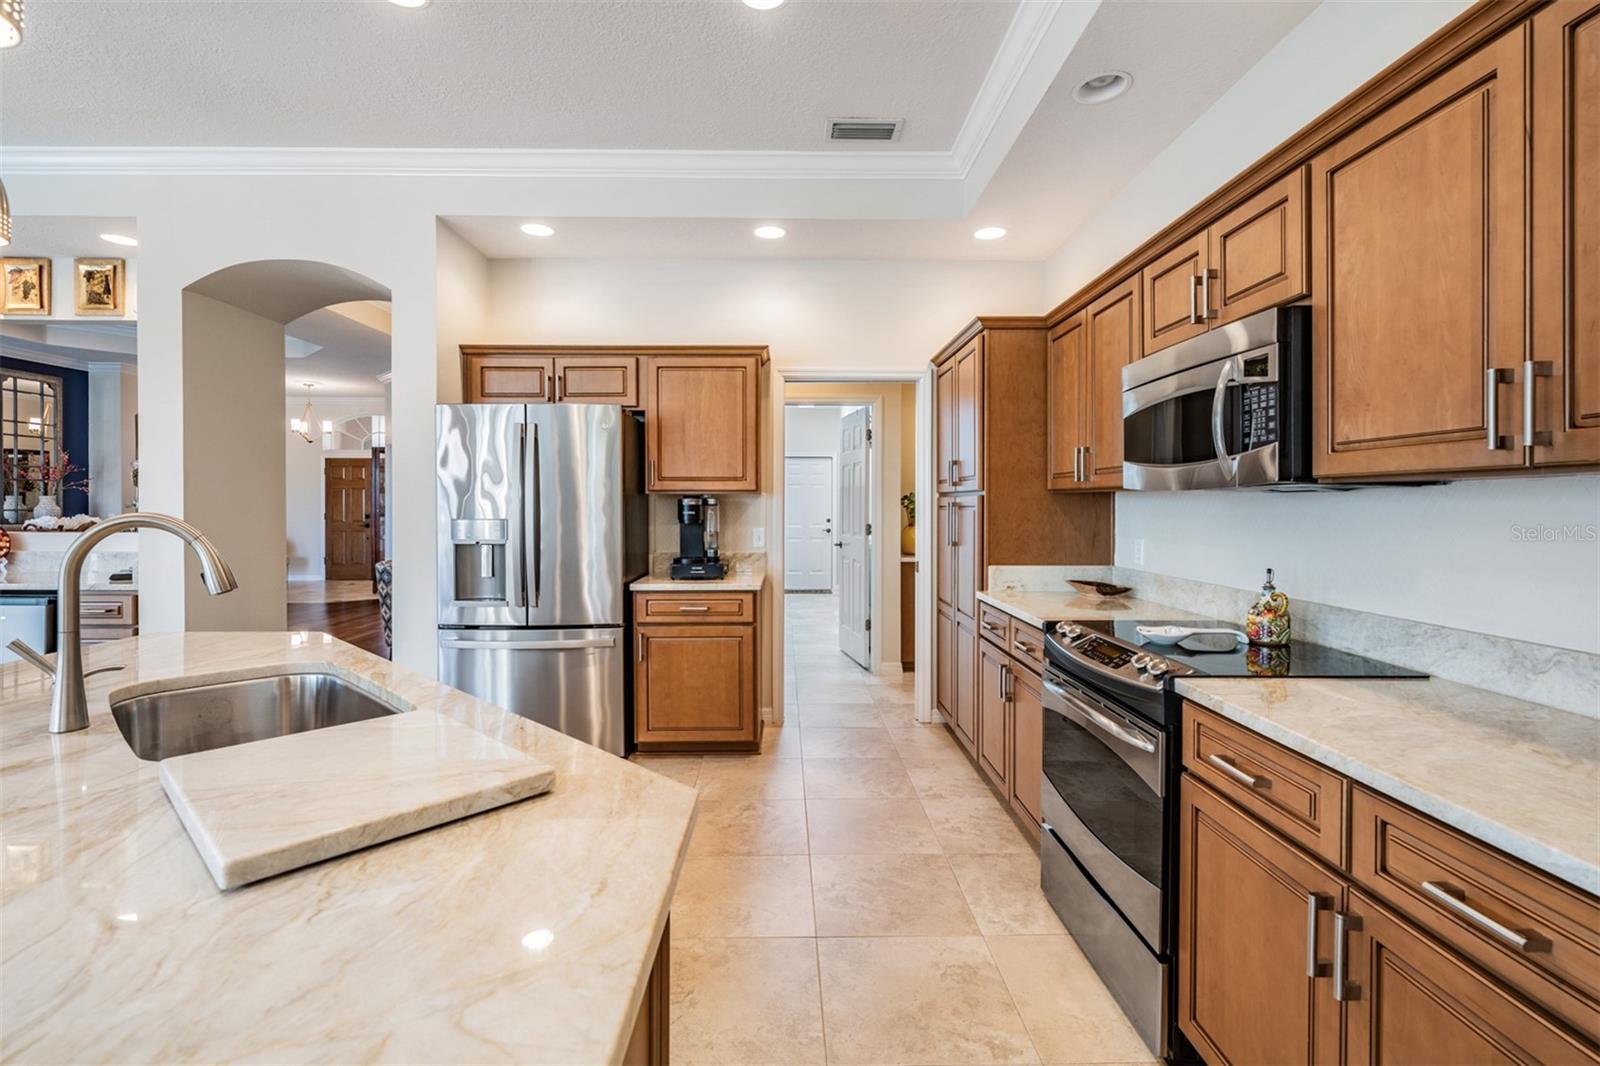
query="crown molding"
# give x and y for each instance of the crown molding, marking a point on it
(990, 127)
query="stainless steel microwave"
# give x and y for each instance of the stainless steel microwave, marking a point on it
(1230, 408)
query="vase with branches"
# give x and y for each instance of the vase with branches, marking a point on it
(54, 474)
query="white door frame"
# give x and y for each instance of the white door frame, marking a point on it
(923, 379)
(833, 568)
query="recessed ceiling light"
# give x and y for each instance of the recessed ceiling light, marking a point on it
(409, 3)
(1103, 87)
(763, 5)
(990, 233)
(770, 233)
(538, 229)
(120, 238)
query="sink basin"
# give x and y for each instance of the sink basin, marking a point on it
(179, 721)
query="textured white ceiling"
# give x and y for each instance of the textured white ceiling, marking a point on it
(597, 74)
(61, 236)
(352, 350)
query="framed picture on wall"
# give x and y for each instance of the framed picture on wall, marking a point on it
(97, 287)
(27, 286)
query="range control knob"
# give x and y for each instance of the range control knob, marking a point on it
(1157, 666)
(1071, 632)
(1139, 661)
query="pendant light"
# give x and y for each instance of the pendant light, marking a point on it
(301, 427)
(10, 23)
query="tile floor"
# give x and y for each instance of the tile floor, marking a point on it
(855, 894)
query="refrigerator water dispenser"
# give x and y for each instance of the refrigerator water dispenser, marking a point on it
(480, 558)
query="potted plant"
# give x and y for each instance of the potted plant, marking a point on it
(908, 535)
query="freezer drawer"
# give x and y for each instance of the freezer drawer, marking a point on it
(568, 679)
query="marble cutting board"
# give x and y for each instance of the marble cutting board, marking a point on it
(264, 808)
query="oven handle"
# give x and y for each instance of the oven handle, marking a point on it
(1106, 725)
(1219, 396)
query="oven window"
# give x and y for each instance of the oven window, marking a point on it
(1177, 431)
(1110, 799)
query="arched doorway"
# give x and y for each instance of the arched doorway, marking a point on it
(234, 426)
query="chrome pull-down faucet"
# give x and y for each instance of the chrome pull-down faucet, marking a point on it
(69, 705)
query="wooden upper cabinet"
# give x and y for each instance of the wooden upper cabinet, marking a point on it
(1065, 376)
(1113, 330)
(1566, 231)
(1172, 288)
(1255, 938)
(1258, 253)
(597, 379)
(944, 389)
(702, 423)
(1418, 310)
(506, 375)
(967, 442)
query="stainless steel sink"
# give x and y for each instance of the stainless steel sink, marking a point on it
(179, 721)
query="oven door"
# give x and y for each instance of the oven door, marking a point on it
(1105, 798)
(1187, 430)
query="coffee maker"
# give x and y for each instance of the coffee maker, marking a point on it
(697, 557)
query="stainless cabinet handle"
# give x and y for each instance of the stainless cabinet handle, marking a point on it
(1194, 298)
(1465, 910)
(1077, 463)
(1531, 370)
(1000, 678)
(651, 477)
(1025, 649)
(1205, 294)
(1247, 780)
(561, 387)
(955, 470)
(955, 528)
(1492, 379)
(639, 646)
(103, 608)
(990, 627)
(1342, 924)
(685, 609)
(1313, 905)
(1011, 686)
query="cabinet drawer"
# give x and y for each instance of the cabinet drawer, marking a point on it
(1027, 645)
(994, 624)
(107, 609)
(1301, 799)
(1481, 903)
(702, 607)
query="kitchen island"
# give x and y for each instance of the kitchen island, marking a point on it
(529, 933)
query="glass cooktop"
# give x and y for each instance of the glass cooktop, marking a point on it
(1224, 656)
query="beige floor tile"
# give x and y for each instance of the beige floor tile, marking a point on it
(839, 715)
(745, 1001)
(896, 715)
(888, 895)
(1004, 894)
(927, 745)
(891, 695)
(743, 895)
(1067, 1009)
(975, 827)
(750, 777)
(948, 780)
(918, 1000)
(869, 827)
(826, 742)
(684, 769)
(749, 827)
(856, 779)
(854, 692)
(782, 739)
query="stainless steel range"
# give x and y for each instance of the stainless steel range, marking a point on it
(1111, 761)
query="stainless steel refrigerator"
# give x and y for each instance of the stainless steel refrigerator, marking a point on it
(542, 523)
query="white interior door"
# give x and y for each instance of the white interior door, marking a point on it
(808, 524)
(854, 540)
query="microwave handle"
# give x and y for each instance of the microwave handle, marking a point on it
(1229, 375)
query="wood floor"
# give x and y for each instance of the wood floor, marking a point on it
(355, 622)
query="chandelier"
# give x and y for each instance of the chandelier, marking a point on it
(10, 23)
(301, 427)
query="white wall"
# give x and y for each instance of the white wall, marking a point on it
(843, 314)
(1515, 557)
(233, 486)
(304, 501)
(812, 431)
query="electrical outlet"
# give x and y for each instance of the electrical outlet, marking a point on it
(758, 537)
(1138, 551)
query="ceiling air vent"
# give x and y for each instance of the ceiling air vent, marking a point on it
(863, 129)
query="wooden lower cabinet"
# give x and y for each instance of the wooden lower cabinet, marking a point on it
(650, 1045)
(1027, 747)
(1246, 902)
(694, 684)
(1410, 1000)
(994, 715)
(965, 722)
(944, 656)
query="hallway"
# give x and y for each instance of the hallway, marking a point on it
(346, 609)
(856, 894)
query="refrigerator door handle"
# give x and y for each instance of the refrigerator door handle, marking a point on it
(519, 590)
(569, 644)
(538, 517)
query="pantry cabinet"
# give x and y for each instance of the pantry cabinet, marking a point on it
(1566, 233)
(1419, 277)
(958, 391)
(695, 672)
(1419, 944)
(959, 528)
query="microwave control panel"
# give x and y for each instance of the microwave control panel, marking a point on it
(1259, 426)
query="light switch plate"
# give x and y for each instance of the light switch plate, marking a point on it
(758, 537)
(1138, 551)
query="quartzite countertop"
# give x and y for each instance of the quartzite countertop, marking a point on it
(734, 582)
(1522, 777)
(526, 933)
(1036, 608)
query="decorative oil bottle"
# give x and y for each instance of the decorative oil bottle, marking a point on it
(1268, 620)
